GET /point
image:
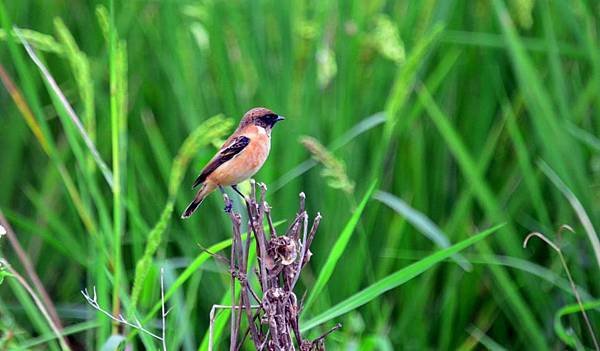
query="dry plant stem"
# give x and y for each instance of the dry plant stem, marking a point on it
(304, 249)
(326, 334)
(272, 230)
(14, 242)
(92, 300)
(573, 287)
(280, 260)
(38, 303)
(239, 271)
(234, 326)
(235, 224)
(311, 236)
(246, 251)
(260, 239)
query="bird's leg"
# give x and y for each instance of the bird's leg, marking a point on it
(228, 203)
(239, 192)
(242, 195)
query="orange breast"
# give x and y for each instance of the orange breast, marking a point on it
(246, 163)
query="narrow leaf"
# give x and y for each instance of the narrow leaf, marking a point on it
(338, 248)
(422, 223)
(394, 280)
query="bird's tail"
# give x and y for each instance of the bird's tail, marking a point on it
(204, 190)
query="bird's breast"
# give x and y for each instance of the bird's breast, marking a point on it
(244, 165)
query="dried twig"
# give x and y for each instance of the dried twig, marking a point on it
(280, 259)
(92, 300)
(322, 337)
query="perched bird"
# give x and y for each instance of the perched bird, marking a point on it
(240, 157)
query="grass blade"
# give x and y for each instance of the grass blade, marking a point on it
(209, 131)
(577, 207)
(361, 127)
(489, 202)
(187, 273)
(70, 330)
(394, 280)
(118, 126)
(422, 223)
(338, 249)
(567, 336)
(70, 112)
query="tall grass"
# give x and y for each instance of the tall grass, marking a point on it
(465, 114)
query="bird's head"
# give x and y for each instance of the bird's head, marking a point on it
(261, 117)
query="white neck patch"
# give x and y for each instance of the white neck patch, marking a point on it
(262, 131)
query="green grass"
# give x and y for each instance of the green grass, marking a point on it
(465, 114)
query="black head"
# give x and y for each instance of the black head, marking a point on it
(261, 117)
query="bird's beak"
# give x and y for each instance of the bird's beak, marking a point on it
(279, 118)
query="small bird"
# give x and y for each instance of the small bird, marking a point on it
(240, 157)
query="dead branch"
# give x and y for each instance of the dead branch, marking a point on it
(272, 314)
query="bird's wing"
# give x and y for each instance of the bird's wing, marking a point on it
(227, 153)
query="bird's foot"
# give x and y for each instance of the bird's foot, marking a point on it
(228, 207)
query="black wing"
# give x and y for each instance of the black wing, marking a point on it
(237, 145)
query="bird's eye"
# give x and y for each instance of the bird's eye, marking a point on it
(269, 118)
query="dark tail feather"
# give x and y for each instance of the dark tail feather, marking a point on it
(200, 195)
(191, 208)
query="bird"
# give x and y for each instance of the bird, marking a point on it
(240, 157)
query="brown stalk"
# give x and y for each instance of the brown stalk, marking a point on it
(239, 271)
(280, 259)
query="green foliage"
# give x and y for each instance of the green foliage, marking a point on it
(3, 274)
(333, 169)
(422, 223)
(337, 250)
(566, 334)
(465, 114)
(39, 40)
(393, 280)
(207, 132)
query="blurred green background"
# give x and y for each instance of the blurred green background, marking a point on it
(465, 114)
